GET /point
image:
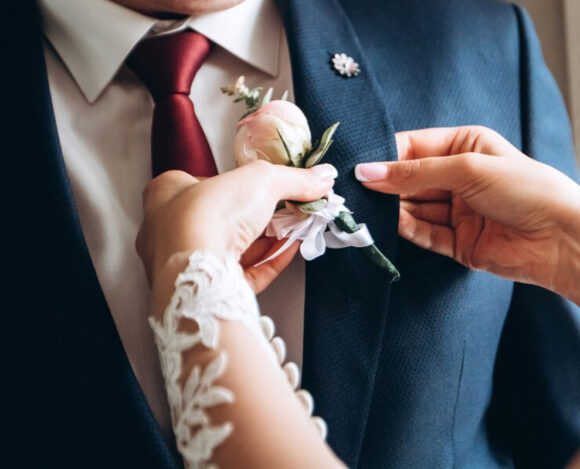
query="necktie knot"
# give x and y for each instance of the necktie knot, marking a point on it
(167, 64)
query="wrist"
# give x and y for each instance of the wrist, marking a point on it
(162, 284)
(186, 237)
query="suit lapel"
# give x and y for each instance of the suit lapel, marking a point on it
(73, 341)
(55, 307)
(346, 296)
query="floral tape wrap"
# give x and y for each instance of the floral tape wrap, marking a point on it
(317, 231)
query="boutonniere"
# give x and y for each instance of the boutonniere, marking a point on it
(277, 131)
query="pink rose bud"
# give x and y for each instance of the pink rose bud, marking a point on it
(257, 134)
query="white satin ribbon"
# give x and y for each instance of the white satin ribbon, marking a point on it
(311, 229)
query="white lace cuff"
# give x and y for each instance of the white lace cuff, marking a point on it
(209, 290)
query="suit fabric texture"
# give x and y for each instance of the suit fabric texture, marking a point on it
(446, 368)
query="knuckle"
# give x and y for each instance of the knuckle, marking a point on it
(307, 181)
(146, 194)
(480, 130)
(409, 169)
(470, 163)
(472, 137)
(483, 139)
(166, 182)
(462, 257)
(263, 173)
(159, 182)
(174, 178)
(478, 262)
(434, 238)
(466, 258)
(261, 166)
(166, 177)
(406, 228)
(480, 133)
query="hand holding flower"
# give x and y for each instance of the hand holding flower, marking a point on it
(278, 132)
(183, 215)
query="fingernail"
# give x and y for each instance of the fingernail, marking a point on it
(368, 172)
(325, 171)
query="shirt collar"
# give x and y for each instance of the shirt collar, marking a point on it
(94, 37)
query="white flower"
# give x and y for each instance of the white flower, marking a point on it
(345, 65)
(258, 135)
(238, 88)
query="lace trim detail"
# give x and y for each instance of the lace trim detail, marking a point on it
(208, 290)
(211, 289)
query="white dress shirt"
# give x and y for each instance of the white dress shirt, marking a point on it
(103, 115)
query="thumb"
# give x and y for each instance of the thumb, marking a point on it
(449, 173)
(302, 184)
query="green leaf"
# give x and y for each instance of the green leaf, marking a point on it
(297, 160)
(253, 96)
(314, 147)
(325, 142)
(314, 206)
(284, 96)
(308, 152)
(249, 111)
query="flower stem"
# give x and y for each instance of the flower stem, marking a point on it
(346, 222)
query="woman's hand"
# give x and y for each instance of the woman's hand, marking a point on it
(223, 213)
(467, 193)
(227, 213)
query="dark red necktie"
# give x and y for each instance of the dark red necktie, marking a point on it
(167, 65)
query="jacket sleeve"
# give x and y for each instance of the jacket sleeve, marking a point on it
(536, 406)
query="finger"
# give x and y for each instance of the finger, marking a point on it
(436, 238)
(260, 277)
(413, 176)
(301, 184)
(428, 195)
(446, 141)
(432, 212)
(425, 142)
(259, 250)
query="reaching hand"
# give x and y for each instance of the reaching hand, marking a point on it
(469, 194)
(223, 213)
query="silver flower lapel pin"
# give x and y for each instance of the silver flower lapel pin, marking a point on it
(345, 65)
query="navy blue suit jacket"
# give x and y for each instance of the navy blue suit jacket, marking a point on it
(447, 368)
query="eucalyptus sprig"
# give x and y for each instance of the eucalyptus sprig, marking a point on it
(251, 97)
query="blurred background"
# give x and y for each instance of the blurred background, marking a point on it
(558, 25)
